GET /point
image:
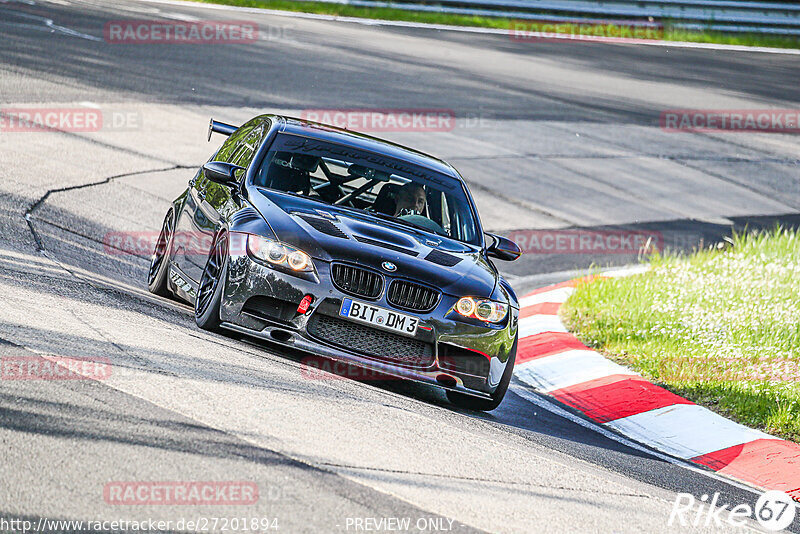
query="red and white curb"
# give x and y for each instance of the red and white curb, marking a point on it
(555, 363)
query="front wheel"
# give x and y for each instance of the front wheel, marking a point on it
(209, 293)
(469, 402)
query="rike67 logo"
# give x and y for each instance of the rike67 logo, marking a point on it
(774, 510)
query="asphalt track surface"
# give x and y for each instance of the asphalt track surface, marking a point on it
(550, 135)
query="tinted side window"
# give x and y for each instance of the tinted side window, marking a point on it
(240, 147)
(243, 156)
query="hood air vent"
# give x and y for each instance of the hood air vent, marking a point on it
(323, 225)
(441, 258)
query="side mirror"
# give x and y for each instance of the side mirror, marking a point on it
(503, 248)
(222, 173)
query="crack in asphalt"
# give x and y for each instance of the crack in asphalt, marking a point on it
(36, 205)
(94, 282)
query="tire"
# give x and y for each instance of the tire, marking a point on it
(209, 292)
(477, 404)
(159, 261)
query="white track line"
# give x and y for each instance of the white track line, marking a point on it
(559, 296)
(535, 399)
(468, 29)
(567, 369)
(672, 434)
(685, 430)
(537, 324)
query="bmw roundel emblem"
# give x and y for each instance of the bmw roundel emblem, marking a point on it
(389, 266)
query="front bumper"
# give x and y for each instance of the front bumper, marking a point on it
(445, 364)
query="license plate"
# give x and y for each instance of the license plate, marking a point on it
(379, 317)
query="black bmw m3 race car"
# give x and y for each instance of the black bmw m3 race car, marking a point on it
(348, 247)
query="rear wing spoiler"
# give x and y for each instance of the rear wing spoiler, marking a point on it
(221, 128)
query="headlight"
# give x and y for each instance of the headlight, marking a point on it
(279, 254)
(482, 309)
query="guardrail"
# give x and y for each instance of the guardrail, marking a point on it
(717, 15)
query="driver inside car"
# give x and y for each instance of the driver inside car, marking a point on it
(411, 200)
(411, 206)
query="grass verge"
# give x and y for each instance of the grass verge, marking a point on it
(385, 13)
(720, 327)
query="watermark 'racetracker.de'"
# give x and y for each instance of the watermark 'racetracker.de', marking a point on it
(238, 492)
(534, 30)
(580, 241)
(180, 32)
(54, 368)
(144, 243)
(385, 120)
(46, 119)
(321, 368)
(731, 120)
(77, 120)
(729, 369)
(182, 243)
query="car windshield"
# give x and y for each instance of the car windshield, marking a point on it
(386, 187)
